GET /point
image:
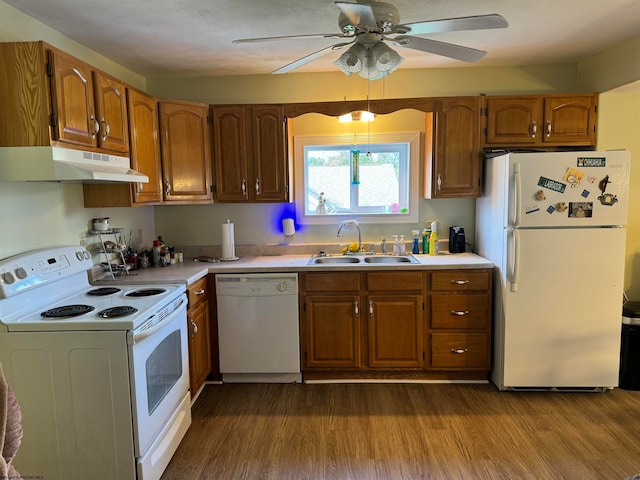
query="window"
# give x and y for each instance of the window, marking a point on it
(373, 179)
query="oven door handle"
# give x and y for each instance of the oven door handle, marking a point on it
(137, 336)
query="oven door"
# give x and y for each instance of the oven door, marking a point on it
(158, 360)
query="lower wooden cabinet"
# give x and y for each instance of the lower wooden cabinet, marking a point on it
(198, 326)
(398, 324)
(459, 320)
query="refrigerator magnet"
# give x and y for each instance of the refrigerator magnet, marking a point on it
(540, 195)
(585, 193)
(561, 207)
(551, 209)
(573, 177)
(608, 199)
(580, 209)
(602, 185)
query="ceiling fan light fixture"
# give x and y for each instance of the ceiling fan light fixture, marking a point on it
(352, 60)
(387, 59)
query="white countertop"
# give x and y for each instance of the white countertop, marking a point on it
(189, 271)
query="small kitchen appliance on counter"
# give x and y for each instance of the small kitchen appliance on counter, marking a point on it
(101, 373)
(457, 241)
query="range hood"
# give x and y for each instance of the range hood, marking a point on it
(56, 164)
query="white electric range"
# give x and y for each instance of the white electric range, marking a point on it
(101, 373)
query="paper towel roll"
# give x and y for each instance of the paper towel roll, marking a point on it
(288, 227)
(228, 245)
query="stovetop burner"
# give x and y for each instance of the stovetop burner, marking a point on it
(115, 312)
(146, 292)
(102, 291)
(66, 311)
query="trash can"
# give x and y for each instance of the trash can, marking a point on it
(630, 347)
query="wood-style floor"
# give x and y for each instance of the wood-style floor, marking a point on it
(407, 431)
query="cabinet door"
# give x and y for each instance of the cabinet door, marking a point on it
(513, 120)
(199, 345)
(73, 102)
(268, 154)
(570, 120)
(145, 146)
(453, 159)
(396, 331)
(186, 152)
(230, 154)
(111, 112)
(331, 331)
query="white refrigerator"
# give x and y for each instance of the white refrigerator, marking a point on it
(554, 226)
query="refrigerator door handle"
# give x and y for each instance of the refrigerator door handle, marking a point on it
(517, 195)
(514, 270)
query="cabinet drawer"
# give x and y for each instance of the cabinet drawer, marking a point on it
(394, 281)
(197, 291)
(459, 350)
(460, 280)
(336, 282)
(459, 311)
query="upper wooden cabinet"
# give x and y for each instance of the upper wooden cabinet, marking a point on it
(250, 153)
(50, 98)
(185, 152)
(145, 158)
(536, 120)
(453, 150)
(90, 108)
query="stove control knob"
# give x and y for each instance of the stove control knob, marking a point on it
(8, 278)
(87, 255)
(79, 255)
(21, 273)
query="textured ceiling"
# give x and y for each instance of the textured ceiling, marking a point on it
(193, 37)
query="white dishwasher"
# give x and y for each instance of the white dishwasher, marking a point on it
(258, 327)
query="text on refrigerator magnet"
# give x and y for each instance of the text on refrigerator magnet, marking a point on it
(532, 209)
(552, 184)
(591, 162)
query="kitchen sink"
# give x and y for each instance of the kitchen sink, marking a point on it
(362, 259)
(389, 259)
(335, 260)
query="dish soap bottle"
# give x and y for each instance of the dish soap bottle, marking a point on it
(402, 247)
(433, 239)
(415, 247)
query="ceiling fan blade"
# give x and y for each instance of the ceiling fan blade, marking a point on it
(309, 58)
(450, 50)
(291, 37)
(479, 22)
(359, 15)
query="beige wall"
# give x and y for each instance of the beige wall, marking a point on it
(34, 215)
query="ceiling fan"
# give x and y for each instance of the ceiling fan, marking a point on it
(367, 24)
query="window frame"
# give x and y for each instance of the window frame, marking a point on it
(413, 139)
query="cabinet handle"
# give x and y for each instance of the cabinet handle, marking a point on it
(370, 308)
(459, 282)
(96, 126)
(459, 351)
(200, 292)
(107, 129)
(459, 313)
(257, 186)
(356, 309)
(167, 190)
(439, 181)
(244, 187)
(195, 327)
(534, 129)
(548, 128)
(138, 188)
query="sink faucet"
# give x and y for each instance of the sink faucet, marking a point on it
(384, 246)
(350, 225)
